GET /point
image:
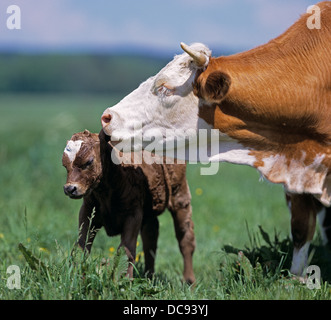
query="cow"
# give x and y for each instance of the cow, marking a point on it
(126, 199)
(271, 106)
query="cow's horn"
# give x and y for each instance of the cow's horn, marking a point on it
(199, 58)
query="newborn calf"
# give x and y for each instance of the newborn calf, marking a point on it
(127, 199)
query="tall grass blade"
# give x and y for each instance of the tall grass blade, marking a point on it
(33, 262)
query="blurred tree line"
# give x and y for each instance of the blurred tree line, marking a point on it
(47, 73)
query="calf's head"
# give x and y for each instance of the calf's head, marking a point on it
(81, 158)
(168, 101)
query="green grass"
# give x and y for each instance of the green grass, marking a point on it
(234, 258)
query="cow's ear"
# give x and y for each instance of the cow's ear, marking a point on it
(215, 87)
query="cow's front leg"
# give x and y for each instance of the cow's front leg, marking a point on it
(303, 210)
(129, 239)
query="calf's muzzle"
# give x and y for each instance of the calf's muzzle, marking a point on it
(71, 190)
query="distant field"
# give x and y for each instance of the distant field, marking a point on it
(70, 73)
(227, 210)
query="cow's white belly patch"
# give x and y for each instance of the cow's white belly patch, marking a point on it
(232, 151)
(298, 177)
(72, 148)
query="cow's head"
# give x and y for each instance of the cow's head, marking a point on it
(81, 158)
(167, 102)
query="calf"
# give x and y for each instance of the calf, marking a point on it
(127, 199)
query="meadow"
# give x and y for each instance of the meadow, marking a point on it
(241, 223)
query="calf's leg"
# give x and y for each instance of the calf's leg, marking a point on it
(149, 235)
(129, 238)
(181, 211)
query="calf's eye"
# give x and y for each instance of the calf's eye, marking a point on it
(87, 163)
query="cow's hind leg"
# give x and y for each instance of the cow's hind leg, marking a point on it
(149, 236)
(303, 208)
(324, 219)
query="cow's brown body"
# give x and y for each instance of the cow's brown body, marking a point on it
(126, 200)
(275, 100)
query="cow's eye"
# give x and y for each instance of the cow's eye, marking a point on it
(164, 90)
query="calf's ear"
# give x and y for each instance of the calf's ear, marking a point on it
(214, 88)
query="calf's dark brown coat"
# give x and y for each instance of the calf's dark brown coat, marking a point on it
(127, 199)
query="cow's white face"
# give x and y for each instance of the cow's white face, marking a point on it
(159, 106)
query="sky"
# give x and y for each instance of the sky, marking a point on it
(98, 25)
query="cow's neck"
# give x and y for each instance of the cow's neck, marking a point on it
(268, 105)
(274, 89)
(276, 118)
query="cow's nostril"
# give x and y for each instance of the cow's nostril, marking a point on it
(105, 119)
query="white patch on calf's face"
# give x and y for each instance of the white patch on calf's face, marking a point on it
(72, 149)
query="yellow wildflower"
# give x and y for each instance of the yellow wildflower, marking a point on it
(41, 249)
(2, 236)
(198, 191)
(139, 255)
(111, 251)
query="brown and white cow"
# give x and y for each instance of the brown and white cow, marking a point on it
(271, 105)
(126, 199)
